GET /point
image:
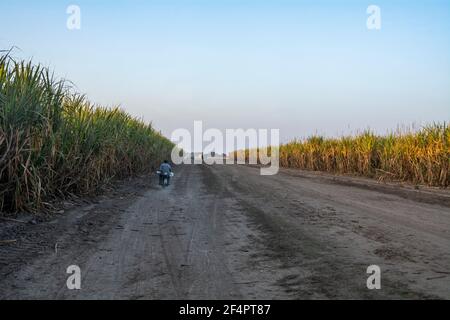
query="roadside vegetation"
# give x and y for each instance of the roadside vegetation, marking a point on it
(420, 157)
(54, 143)
(414, 156)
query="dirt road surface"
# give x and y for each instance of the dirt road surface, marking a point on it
(225, 232)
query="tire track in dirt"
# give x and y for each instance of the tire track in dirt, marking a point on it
(225, 232)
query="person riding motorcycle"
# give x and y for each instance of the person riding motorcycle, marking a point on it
(165, 172)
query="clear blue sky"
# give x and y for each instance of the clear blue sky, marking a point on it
(301, 66)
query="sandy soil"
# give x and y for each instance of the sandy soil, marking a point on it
(225, 232)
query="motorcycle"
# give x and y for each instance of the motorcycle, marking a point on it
(164, 177)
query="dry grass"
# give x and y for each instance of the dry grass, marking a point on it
(420, 157)
(54, 143)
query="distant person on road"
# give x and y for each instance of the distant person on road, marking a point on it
(166, 170)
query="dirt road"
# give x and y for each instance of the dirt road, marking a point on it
(225, 232)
